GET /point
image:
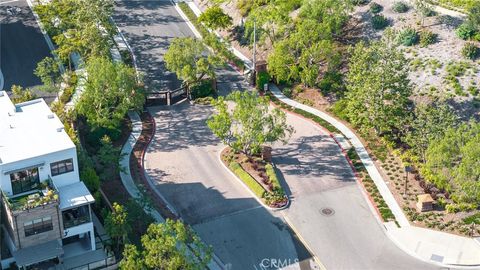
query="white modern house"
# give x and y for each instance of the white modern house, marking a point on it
(46, 209)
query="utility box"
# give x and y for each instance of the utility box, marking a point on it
(424, 203)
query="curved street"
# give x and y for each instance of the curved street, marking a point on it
(183, 163)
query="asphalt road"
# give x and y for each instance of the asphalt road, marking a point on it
(183, 162)
(22, 46)
(318, 177)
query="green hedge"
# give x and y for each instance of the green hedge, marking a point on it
(247, 179)
(273, 176)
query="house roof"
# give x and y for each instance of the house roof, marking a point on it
(39, 253)
(73, 195)
(424, 198)
(28, 130)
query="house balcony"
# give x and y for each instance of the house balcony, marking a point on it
(45, 195)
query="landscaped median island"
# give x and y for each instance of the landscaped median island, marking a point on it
(258, 174)
(246, 124)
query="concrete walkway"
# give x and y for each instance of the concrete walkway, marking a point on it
(432, 246)
(362, 153)
(125, 175)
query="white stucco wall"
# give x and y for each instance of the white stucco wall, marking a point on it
(44, 171)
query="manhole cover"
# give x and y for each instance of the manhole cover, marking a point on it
(327, 211)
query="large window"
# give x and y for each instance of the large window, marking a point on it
(23, 181)
(60, 167)
(37, 226)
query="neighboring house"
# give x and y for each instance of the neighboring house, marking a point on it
(46, 209)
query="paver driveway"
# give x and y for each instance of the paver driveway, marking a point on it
(183, 162)
(318, 176)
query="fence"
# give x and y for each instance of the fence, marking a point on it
(166, 97)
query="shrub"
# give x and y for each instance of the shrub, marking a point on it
(470, 51)
(202, 89)
(246, 178)
(400, 7)
(408, 37)
(90, 178)
(375, 8)
(262, 78)
(287, 92)
(466, 31)
(379, 22)
(427, 38)
(360, 2)
(460, 207)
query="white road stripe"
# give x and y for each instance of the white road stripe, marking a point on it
(7, 2)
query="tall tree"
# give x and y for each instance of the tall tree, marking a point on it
(111, 90)
(189, 59)
(109, 157)
(48, 70)
(428, 122)
(250, 124)
(378, 86)
(117, 226)
(169, 245)
(453, 162)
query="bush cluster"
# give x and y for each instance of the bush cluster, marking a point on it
(470, 50)
(262, 78)
(375, 8)
(408, 37)
(400, 7)
(379, 22)
(466, 31)
(427, 38)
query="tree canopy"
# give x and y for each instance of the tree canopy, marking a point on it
(117, 226)
(48, 70)
(215, 18)
(169, 245)
(111, 90)
(189, 59)
(250, 123)
(378, 87)
(453, 162)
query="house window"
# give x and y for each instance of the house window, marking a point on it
(23, 181)
(60, 167)
(37, 226)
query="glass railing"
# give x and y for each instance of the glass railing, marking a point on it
(68, 223)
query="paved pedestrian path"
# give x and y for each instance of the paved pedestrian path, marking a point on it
(362, 153)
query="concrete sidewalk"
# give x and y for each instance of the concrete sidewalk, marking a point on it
(431, 246)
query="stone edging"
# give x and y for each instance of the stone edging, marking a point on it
(259, 200)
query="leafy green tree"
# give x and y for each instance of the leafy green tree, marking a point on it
(250, 124)
(111, 90)
(329, 15)
(90, 178)
(378, 86)
(48, 70)
(214, 18)
(428, 122)
(21, 94)
(117, 226)
(189, 59)
(109, 157)
(452, 162)
(169, 245)
(473, 16)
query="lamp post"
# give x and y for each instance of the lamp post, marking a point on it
(407, 170)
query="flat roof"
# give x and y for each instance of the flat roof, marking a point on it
(73, 195)
(28, 130)
(39, 253)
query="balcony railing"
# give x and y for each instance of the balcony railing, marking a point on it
(75, 222)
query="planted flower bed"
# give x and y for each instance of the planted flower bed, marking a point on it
(258, 174)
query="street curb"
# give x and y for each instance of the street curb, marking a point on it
(297, 233)
(247, 188)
